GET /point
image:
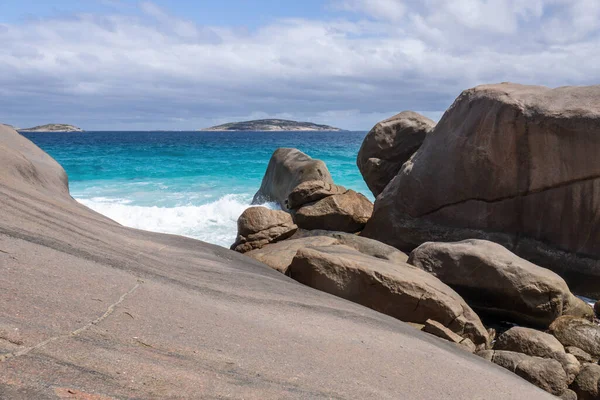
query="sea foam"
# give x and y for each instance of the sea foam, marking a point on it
(214, 222)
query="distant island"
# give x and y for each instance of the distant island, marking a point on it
(53, 128)
(271, 125)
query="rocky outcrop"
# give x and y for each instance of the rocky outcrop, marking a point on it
(587, 384)
(580, 355)
(347, 212)
(435, 328)
(311, 191)
(497, 282)
(395, 289)
(389, 145)
(259, 226)
(545, 373)
(538, 344)
(512, 164)
(578, 332)
(287, 169)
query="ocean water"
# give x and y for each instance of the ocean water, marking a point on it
(194, 184)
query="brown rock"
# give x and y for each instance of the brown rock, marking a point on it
(348, 212)
(587, 383)
(311, 191)
(495, 281)
(395, 289)
(581, 355)
(545, 373)
(512, 164)
(439, 330)
(287, 169)
(578, 332)
(389, 145)
(539, 344)
(259, 226)
(568, 395)
(468, 345)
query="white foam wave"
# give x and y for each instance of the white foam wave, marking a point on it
(214, 222)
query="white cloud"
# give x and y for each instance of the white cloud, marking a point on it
(159, 71)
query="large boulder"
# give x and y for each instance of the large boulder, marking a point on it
(545, 373)
(347, 212)
(497, 282)
(509, 163)
(311, 191)
(395, 289)
(587, 383)
(259, 226)
(389, 145)
(287, 169)
(578, 332)
(539, 344)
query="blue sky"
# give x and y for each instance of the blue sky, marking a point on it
(126, 64)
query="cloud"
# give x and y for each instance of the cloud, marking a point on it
(152, 70)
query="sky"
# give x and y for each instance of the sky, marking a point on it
(186, 65)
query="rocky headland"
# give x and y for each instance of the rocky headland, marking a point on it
(483, 231)
(260, 125)
(52, 128)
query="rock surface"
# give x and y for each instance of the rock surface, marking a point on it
(597, 309)
(587, 384)
(389, 145)
(311, 191)
(259, 226)
(395, 289)
(509, 163)
(581, 355)
(578, 332)
(347, 212)
(105, 311)
(545, 373)
(495, 281)
(286, 170)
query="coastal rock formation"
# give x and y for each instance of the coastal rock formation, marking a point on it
(439, 330)
(512, 164)
(98, 310)
(347, 212)
(497, 282)
(580, 355)
(259, 226)
(395, 289)
(389, 145)
(53, 128)
(287, 169)
(268, 125)
(539, 344)
(578, 332)
(311, 191)
(545, 373)
(587, 384)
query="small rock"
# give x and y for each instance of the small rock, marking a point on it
(311, 191)
(568, 395)
(581, 355)
(587, 383)
(259, 226)
(578, 332)
(468, 345)
(439, 330)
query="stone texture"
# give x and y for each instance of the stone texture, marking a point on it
(495, 281)
(347, 212)
(568, 395)
(581, 355)
(439, 330)
(259, 226)
(509, 163)
(106, 311)
(578, 332)
(395, 289)
(587, 383)
(389, 145)
(311, 191)
(287, 169)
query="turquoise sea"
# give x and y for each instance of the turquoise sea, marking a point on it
(194, 184)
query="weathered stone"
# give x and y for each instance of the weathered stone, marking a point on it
(311, 191)
(508, 163)
(259, 226)
(495, 281)
(587, 383)
(287, 169)
(395, 289)
(581, 355)
(389, 145)
(347, 212)
(439, 330)
(568, 395)
(364, 245)
(578, 332)
(468, 345)
(547, 374)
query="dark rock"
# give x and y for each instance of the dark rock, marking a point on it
(389, 145)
